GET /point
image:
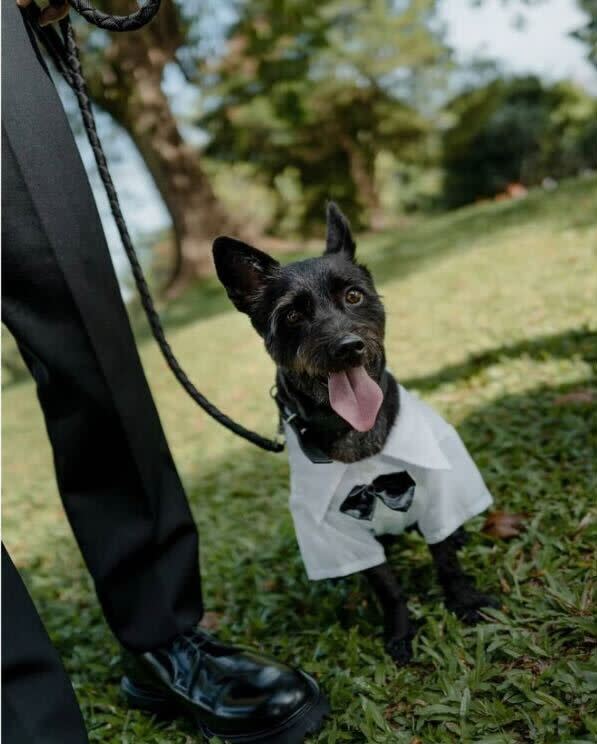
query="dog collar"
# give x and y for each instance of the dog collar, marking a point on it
(304, 426)
(303, 434)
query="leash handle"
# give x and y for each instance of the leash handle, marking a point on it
(131, 22)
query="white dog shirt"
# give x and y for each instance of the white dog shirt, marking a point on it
(423, 475)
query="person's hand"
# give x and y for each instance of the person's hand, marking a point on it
(48, 15)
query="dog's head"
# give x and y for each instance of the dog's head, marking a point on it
(321, 319)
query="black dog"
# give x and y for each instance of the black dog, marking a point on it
(321, 319)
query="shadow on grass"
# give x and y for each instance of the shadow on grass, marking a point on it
(537, 456)
(581, 342)
(534, 453)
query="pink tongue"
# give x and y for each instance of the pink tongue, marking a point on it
(355, 397)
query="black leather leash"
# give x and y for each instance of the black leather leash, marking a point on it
(62, 48)
(132, 22)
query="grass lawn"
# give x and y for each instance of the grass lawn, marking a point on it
(492, 318)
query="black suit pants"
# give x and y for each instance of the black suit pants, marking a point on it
(61, 301)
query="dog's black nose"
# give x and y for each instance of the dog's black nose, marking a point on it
(349, 346)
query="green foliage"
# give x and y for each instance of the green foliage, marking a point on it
(516, 131)
(492, 319)
(315, 91)
(588, 33)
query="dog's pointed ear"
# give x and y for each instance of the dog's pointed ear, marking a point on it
(243, 270)
(339, 238)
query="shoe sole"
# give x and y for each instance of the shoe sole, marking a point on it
(306, 721)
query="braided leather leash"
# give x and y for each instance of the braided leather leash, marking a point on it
(65, 55)
(132, 22)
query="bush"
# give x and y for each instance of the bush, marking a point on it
(516, 131)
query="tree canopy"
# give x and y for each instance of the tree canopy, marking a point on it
(517, 130)
(314, 91)
(297, 101)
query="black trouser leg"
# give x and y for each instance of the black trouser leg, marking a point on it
(136, 533)
(61, 301)
(38, 702)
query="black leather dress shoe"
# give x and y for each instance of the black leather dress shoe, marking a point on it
(238, 695)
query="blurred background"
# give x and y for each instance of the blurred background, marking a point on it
(461, 139)
(244, 116)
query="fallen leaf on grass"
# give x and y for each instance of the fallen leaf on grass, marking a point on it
(576, 396)
(505, 587)
(587, 521)
(504, 525)
(394, 709)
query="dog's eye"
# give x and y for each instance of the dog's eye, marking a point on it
(354, 296)
(293, 317)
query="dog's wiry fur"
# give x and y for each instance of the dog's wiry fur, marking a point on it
(301, 312)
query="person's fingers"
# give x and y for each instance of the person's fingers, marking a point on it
(53, 13)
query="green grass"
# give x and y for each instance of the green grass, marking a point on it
(492, 318)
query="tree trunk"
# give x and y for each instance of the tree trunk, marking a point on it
(125, 79)
(196, 213)
(362, 174)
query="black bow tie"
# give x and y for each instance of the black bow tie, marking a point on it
(396, 490)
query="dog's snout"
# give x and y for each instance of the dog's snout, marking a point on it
(349, 346)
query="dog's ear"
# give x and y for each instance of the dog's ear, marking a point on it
(339, 238)
(243, 270)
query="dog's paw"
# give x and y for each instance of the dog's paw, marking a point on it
(401, 650)
(469, 607)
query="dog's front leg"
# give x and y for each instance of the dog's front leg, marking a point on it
(462, 596)
(398, 628)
